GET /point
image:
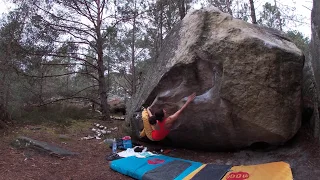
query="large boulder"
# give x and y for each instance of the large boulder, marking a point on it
(247, 79)
(315, 41)
(311, 90)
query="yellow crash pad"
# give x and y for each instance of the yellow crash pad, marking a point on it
(269, 171)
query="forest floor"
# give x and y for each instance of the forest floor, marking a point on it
(302, 153)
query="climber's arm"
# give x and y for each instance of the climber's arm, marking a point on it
(153, 126)
(149, 112)
(171, 119)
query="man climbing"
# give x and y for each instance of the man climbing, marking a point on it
(157, 126)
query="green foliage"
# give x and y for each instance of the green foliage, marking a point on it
(271, 17)
(299, 40)
(222, 5)
(243, 12)
(56, 114)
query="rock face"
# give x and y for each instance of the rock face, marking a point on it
(247, 79)
(310, 113)
(25, 142)
(117, 105)
(312, 72)
(315, 41)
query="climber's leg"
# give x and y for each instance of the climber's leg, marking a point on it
(147, 129)
(143, 133)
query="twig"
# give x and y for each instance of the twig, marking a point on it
(64, 99)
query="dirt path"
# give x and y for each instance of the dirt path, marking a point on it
(28, 164)
(302, 153)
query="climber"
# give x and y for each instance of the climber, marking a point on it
(157, 126)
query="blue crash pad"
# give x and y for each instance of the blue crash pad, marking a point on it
(138, 167)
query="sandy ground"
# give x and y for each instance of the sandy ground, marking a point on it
(302, 153)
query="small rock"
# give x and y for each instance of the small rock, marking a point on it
(87, 138)
(115, 128)
(63, 136)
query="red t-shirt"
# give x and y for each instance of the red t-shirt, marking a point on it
(162, 132)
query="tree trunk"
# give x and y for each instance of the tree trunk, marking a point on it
(228, 4)
(2, 90)
(182, 9)
(278, 15)
(109, 76)
(133, 81)
(159, 33)
(102, 82)
(161, 26)
(103, 90)
(6, 104)
(40, 95)
(4, 117)
(169, 17)
(253, 12)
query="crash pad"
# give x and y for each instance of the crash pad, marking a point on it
(169, 170)
(268, 171)
(209, 172)
(165, 167)
(146, 168)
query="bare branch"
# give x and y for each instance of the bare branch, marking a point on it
(64, 64)
(89, 8)
(30, 89)
(75, 36)
(58, 75)
(102, 8)
(126, 87)
(81, 54)
(72, 42)
(64, 56)
(69, 28)
(128, 81)
(64, 99)
(140, 51)
(307, 7)
(90, 15)
(79, 11)
(84, 89)
(61, 18)
(118, 20)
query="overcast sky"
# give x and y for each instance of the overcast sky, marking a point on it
(302, 8)
(299, 8)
